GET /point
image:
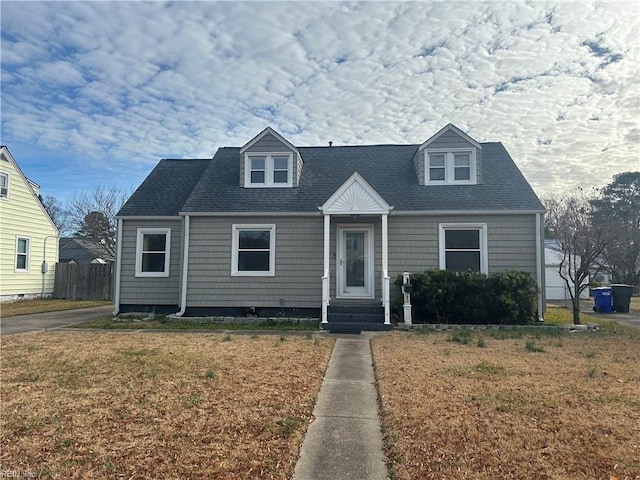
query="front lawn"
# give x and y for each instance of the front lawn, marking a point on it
(113, 405)
(511, 404)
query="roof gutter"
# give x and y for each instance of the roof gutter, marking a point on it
(394, 211)
(185, 267)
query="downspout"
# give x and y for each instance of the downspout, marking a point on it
(185, 268)
(539, 268)
(116, 287)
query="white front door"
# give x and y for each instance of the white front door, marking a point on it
(355, 272)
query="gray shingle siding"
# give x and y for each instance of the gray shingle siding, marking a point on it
(298, 264)
(150, 290)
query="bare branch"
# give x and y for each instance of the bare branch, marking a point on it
(582, 241)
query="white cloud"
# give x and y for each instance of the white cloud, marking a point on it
(122, 82)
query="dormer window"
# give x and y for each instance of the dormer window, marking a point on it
(456, 166)
(268, 169)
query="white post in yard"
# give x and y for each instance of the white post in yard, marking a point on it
(407, 299)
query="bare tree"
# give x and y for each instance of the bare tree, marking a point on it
(570, 222)
(58, 213)
(92, 214)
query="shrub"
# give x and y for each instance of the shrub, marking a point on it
(441, 296)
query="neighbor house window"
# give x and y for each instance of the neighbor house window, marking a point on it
(253, 250)
(4, 185)
(153, 248)
(268, 170)
(23, 251)
(450, 167)
(463, 247)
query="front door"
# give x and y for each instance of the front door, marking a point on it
(355, 262)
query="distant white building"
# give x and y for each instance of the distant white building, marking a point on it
(556, 288)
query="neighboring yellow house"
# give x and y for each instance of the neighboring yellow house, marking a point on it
(28, 236)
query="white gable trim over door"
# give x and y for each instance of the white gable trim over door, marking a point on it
(356, 197)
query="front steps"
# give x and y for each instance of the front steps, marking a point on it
(355, 318)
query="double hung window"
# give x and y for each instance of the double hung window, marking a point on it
(450, 167)
(268, 170)
(463, 247)
(153, 252)
(23, 251)
(4, 185)
(253, 250)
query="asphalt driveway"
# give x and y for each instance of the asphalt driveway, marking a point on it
(631, 319)
(49, 320)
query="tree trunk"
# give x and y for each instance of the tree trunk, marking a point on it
(576, 314)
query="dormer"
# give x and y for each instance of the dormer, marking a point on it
(270, 161)
(450, 157)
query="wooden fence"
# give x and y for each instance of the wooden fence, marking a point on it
(83, 282)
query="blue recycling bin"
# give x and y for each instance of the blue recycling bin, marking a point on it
(603, 299)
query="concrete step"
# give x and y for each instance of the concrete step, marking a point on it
(354, 327)
(355, 317)
(374, 308)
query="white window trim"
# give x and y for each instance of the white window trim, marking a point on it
(8, 175)
(28, 255)
(235, 236)
(139, 243)
(449, 170)
(268, 174)
(484, 251)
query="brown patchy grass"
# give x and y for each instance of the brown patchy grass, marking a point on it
(134, 406)
(469, 406)
(41, 305)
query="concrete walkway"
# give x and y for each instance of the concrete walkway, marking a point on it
(345, 440)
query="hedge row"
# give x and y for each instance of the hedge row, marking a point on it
(441, 296)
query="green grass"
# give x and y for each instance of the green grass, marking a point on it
(462, 336)
(532, 347)
(162, 324)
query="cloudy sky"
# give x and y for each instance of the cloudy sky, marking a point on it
(98, 92)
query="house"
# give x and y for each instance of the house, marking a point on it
(81, 251)
(28, 236)
(276, 226)
(556, 288)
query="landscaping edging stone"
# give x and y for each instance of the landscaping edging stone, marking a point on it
(446, 327)
(243, 320)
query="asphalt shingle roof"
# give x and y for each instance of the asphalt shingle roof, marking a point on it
(82, 251)
(203, 186)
